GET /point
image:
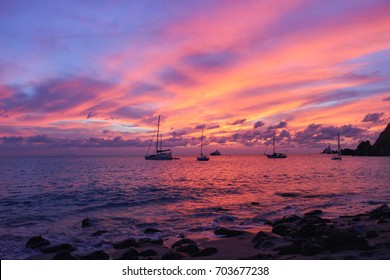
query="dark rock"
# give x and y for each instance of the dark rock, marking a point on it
(228, 232)
(206, 252)
(263, 257)
(126, 244)
(148, 253)
(341, 240)
(86, 223)
(58, 248)
(287, 219)
(151, 230)
(314, 230)
(263, 236)
(131, 254)
(157, 242)
(382, 211)
(99, 232)
(98, 255)
(314, 213)
(183, 241)
(189, 249)
(371, 234)
(284, 229)
(255, 204)
(313, 220)
(382, 221)
(36, 242)
(356, 219)
(172, 256)
(64, 255)
(219, 209)
(302, 246)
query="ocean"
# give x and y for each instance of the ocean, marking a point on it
(50, 196)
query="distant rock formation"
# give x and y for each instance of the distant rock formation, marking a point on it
(381, 146)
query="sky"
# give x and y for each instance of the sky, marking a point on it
(92, 77)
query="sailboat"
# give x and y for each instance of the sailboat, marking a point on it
(215, 153)
(159, 153)
(274, 154)
(202, 157)
(338, 155)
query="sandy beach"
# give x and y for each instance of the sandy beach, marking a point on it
(362, 236)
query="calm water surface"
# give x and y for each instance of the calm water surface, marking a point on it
(125, 195)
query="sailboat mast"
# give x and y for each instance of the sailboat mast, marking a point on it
(274, 141)
(201, 144)
(161, 142)
(338, 144)
(158, 132)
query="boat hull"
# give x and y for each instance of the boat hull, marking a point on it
(277, 156)
(202, 158)
(159, 157)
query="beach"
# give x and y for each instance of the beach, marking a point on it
(364, 236)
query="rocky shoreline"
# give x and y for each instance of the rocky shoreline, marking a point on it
(311, 236)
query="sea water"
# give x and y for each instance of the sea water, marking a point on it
(50, 196)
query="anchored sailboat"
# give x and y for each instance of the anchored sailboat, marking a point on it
(274, 154)
(202, 157)
(338, 155)
(159, 153)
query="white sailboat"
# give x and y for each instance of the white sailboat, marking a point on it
(274, 154)
(202, 157)
(338, 155)
(159, 153)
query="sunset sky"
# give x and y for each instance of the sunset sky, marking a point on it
(91, 77)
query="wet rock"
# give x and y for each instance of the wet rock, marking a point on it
(301, 246)
(314, 213)
(380, 212)
(371, 234)
(228, 232)
(341, 240)
(262, 237)
(151, 230)
(287, 219)
(126, 244)
(58, 248)
(37, 242)
(206, 252)
(98, 255)
(157, 242)
(99, 232)
(172, 256)
(285, 229)
(64, 255)
(314, 230)
(190, 249)
(131, 254)
(148, 253)
(382, 221)
(356, 219)
(183, 241)
(255, 204)
(86, 223)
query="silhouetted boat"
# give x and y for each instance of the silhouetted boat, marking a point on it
(274, 154)
(202, 157)
(159, 153)
(215, 153)
(338, 155)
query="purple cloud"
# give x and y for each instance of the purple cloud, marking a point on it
(373, 117)
(258, 124)
(54, 95)
(281, 124)
(200, 126)
(236, 122)
(210, 61)
(173, 76)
